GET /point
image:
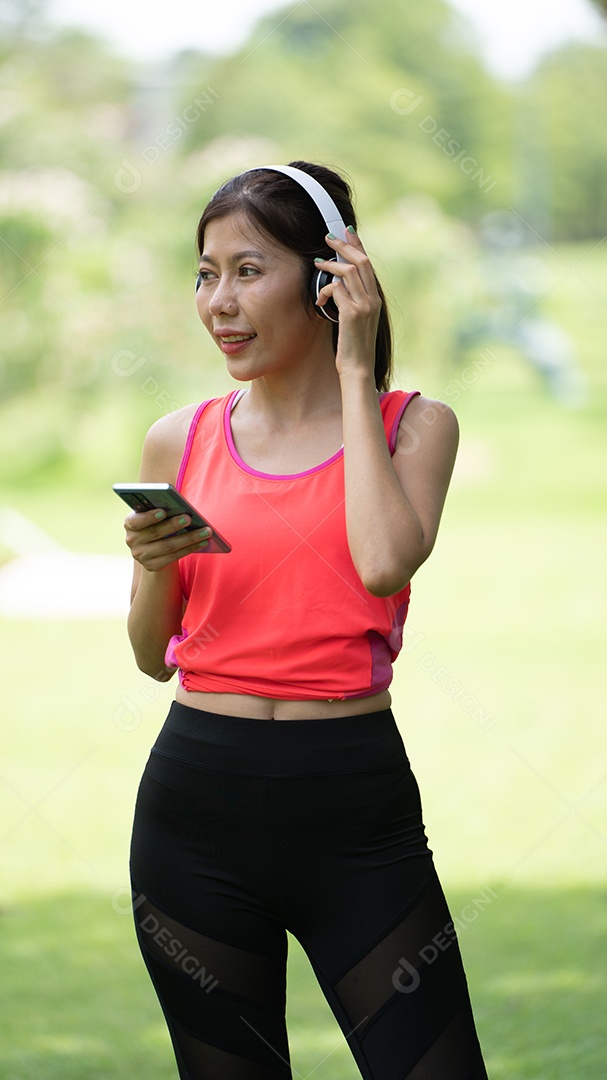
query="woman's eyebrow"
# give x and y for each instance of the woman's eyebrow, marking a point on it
(235, 258)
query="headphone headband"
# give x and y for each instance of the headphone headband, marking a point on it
(332, 217)
(333, 220)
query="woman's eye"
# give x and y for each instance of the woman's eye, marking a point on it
(248, 271)
(204, 275)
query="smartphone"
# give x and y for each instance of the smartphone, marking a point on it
(165, 497)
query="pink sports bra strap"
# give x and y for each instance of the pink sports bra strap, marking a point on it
(393, 410)
(189, 442)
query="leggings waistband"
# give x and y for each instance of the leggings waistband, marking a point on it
(365, 742)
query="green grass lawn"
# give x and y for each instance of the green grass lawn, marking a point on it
(498, 694)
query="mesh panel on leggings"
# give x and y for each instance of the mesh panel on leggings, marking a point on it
(374, 979)
(225, 1006)
(454, 1054)
(200, 1061)
(407, 999)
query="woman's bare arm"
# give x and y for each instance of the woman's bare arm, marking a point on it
(394, 504)
(156, 596)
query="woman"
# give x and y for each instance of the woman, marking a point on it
(278, 795)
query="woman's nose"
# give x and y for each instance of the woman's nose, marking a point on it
(223, 299)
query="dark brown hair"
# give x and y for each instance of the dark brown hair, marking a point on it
(280, 207)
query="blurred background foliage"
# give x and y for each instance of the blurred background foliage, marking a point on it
(105, 165)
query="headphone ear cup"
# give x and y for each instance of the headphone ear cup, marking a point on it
(329, 310)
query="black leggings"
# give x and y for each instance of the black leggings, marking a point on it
(247, 828)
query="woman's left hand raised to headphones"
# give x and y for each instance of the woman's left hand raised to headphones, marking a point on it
(354, 292)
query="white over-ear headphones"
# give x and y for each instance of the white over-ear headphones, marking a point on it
(332, 219)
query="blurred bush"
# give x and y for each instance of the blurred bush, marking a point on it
(106, 164)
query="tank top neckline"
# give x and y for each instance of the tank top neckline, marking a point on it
(231, 402)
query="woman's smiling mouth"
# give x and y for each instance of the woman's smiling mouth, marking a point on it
(231, 343)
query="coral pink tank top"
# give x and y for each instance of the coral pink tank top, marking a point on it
(284, 614)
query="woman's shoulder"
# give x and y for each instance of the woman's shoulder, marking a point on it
(429, 413)
(165, 443)
(171, 430)
(429, 422)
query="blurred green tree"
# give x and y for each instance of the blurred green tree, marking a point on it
(561, 121)
(399, 98)
(105, 165)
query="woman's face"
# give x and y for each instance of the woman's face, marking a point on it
(251, 299)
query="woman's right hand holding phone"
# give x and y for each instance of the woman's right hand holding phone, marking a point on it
(156, 541)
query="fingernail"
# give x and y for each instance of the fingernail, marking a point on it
(351, 229)
(204, 534)
(319, 260)
(331, 236)
(182, 520)
(159, 514)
